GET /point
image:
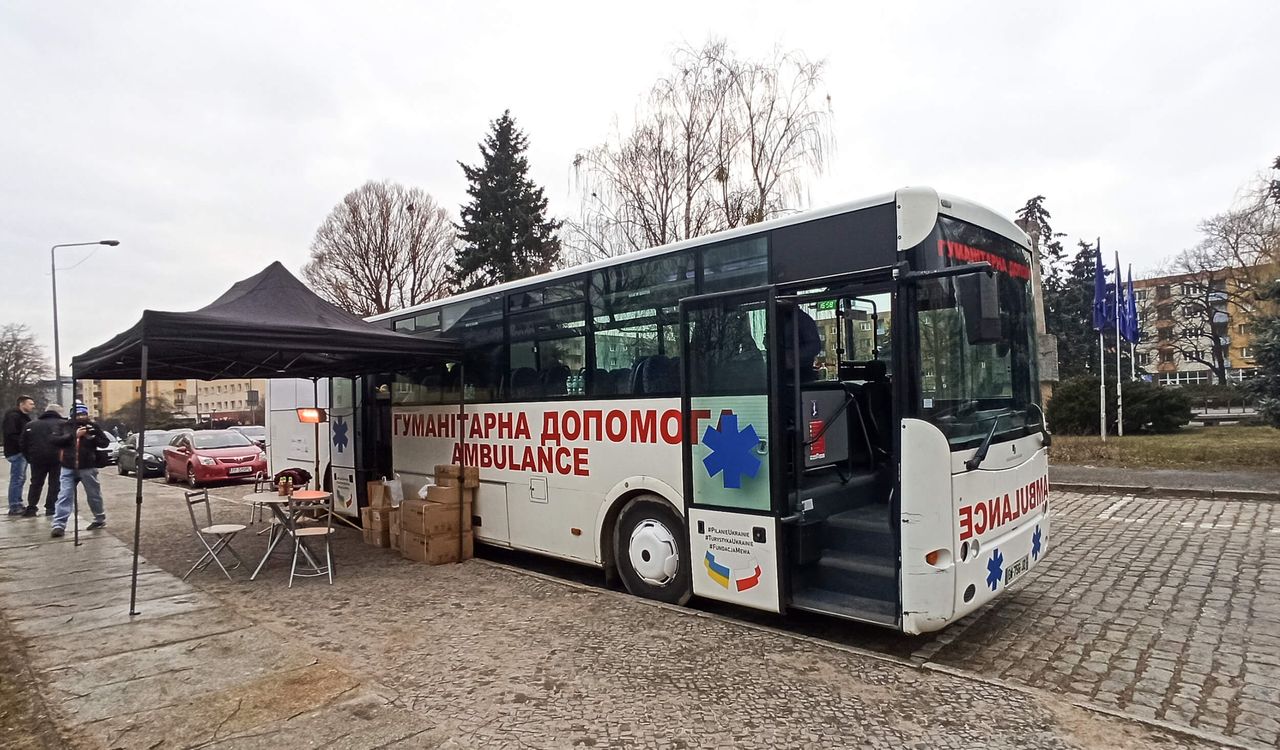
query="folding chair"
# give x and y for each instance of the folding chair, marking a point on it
(222, 532)
(296, 510)
(261, 483)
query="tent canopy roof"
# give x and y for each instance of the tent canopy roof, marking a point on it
(269, 325)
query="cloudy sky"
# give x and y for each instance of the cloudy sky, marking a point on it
(213, 137)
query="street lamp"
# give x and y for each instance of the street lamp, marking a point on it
(53, 268)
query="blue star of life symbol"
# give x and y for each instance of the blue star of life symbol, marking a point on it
(732, 451)
(1035, 544)
(340, 433)
(995, 570)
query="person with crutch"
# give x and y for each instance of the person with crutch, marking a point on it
(80, 442)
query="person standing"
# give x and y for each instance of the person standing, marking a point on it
(15, 421)
(79, 441)
(42, 455)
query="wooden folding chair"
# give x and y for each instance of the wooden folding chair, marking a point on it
(221, 533)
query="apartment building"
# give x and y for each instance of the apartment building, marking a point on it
(1190, 320)
(219, 402)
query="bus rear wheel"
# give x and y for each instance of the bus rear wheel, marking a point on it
(652, 551)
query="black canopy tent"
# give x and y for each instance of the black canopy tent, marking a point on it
(269, 325)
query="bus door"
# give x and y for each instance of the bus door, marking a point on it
(729, 423)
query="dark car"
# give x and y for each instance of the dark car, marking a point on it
(153, 458)
(255, 432)
(211, 456)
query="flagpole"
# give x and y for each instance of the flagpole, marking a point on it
(1133, 359)
(1102, 388)
(1119, 376)
(1100, 325)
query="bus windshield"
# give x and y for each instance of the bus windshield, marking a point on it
(977, 361)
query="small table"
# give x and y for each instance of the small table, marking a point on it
(279, 505)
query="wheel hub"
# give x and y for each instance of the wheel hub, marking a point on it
(654, 553)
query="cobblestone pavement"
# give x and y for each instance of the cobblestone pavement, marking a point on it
(477, 655)
(1165, 609)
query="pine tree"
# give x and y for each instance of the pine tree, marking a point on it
(504, 234)
(1265, 385)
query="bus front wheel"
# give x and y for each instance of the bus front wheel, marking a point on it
(652, 551)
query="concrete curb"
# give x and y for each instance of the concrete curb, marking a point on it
(1206, 493)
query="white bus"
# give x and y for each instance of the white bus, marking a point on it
(835, 412)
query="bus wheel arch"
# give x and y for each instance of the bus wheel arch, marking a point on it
(614, 501)
(651, 550)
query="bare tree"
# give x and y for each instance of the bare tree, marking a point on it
(384, 247)
(22, 364)
(720, 142)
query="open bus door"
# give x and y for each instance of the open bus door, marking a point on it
(730, 470)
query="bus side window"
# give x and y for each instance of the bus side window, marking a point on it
(633, 309)
(479, 325)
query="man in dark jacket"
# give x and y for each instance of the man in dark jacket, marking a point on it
(80, 441)
(42, 454)
(15, 421)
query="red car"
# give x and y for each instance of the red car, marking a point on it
(212, 456)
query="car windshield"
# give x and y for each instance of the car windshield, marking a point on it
(253, 432)
(155, 438)
(220, 439)
(977, 347)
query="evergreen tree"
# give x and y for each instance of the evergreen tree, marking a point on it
(504, 234)
(1069, 315)
(1265, 385)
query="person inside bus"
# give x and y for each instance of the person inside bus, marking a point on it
(799, 331)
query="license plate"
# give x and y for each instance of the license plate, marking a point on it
(1015, 569)
(247, 469)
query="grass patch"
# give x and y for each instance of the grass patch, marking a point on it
(1221, 447)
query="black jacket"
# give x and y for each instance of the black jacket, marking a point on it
(37, 439)
(94, 439)
(14, 423)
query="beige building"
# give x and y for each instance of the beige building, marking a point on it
(1182, 318)
(222, 401)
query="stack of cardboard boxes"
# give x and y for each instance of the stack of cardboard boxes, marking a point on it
(376, 519)
(435, 529)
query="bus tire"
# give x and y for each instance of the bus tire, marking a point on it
(651, 550)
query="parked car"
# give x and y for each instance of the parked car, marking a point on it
(153, 453)
(255, 432)
(211, 456)
(113, 448)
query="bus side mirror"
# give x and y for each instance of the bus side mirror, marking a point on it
(980, 301)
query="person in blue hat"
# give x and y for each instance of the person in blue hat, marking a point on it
(79, 444)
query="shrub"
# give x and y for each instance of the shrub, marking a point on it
(1147, 408)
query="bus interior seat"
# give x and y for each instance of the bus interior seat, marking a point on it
(621, 379)
(875, 396)
(524, 382)
(654, 375)
(555, 380)
(602, 382)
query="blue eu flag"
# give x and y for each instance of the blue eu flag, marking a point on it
(1100, 307)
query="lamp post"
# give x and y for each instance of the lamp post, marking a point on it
(53, 269)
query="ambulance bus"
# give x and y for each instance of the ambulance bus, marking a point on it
(837, 411)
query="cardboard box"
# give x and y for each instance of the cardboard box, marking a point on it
(435, 550)
(453, 474)
(378, 495)
(394, 526)
(449, 495)
(427, 518)
(376, 527)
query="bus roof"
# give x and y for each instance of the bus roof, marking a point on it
(960, 208)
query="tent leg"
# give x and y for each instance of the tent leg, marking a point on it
(137, 498)
(462, 453)
(315, 396)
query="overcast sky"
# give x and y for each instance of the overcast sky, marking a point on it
(211, 138)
